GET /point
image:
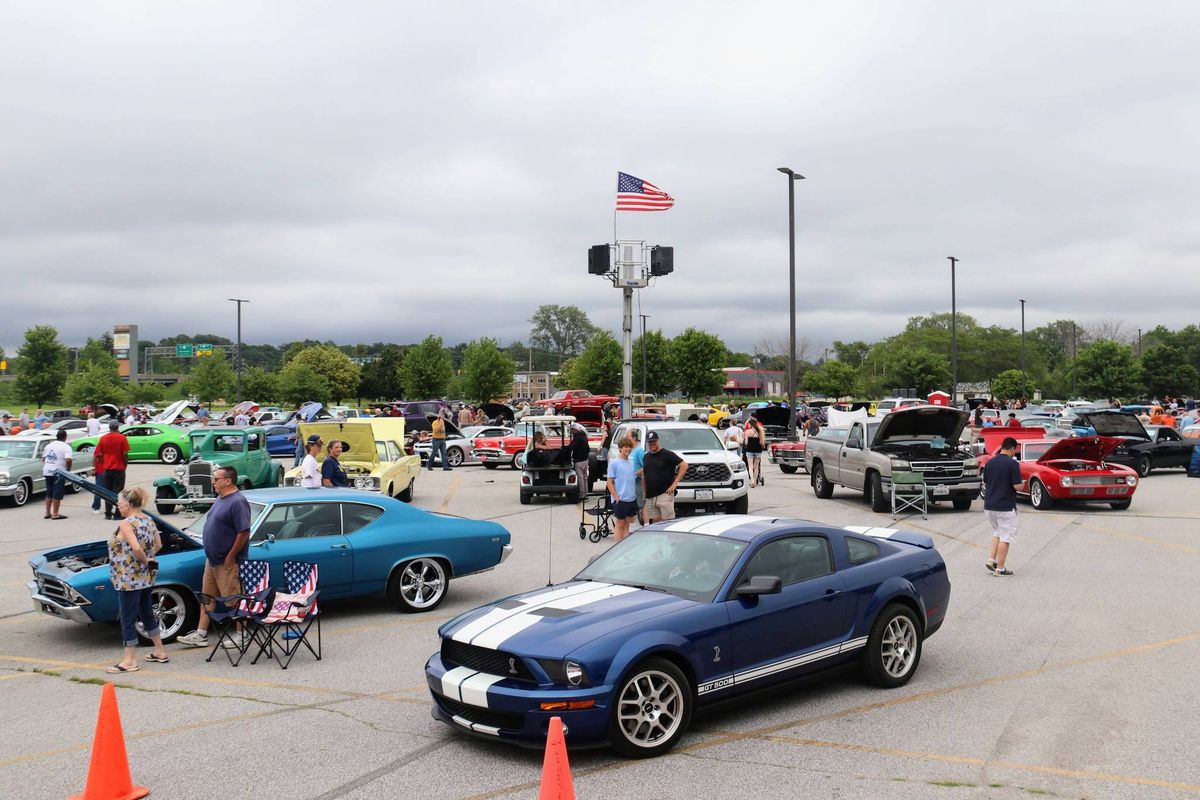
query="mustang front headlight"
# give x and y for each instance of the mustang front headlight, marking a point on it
(567, 673)
(574, 672)
(1065, 480)
(1131, 480)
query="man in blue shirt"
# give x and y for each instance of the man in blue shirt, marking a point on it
(1001, 482)
(621, 481)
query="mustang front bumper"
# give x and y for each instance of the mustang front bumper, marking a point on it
(501, 708)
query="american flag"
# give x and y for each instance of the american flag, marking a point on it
(301, 578)
(255, 577)
(635, 194)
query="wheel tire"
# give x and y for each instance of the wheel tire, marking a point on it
(170, 454)
(651, 709)
(1143, 466)
(176, 609)
(410, 582)
(406, 494)
(1038, 496)
(455, 457)
(879, 501)
(490, 465)
(526, 498)
(73, 488)
(788, 469)
(822, 488)
(85, 448)
(519, 460)
(21, 495)
(279, 477)
(962, 504)
(1121, 505)
(893, 648)
(165, 493)
(739, 506)
(573, 497)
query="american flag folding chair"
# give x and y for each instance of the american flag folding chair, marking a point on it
(227, 618)
(290, 616)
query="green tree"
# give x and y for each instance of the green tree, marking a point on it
(211, 378)
(41, 365)
(341, 374)
(427, 370)
(96, 383)
(487, 372)
(381, 377)
(598, 367)
(1168, 373)
(853, 354)
(831, 379)
(260, 385)
(918, 368)
(299, 383)
(697, 358)
(1009, 385)
(660, 377)
(1108, 369)
(563, 330)
(94, 352)
(142, 393)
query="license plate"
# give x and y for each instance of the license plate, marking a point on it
(940, 490)
(704, 494)
(1116, 490)
(195, 491)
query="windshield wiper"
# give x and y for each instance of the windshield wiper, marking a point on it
(641, 586)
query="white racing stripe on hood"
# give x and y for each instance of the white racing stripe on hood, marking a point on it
(714, 526)
(472, 629)
(495, 637)
(867, 530)
(474, 689)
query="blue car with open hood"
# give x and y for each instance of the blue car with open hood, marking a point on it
(686, 613)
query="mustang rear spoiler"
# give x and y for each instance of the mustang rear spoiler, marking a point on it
(894, 535)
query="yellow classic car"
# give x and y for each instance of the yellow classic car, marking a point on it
(373, 454)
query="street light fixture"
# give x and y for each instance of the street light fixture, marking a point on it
(1024, 382)
(237, 359)
(953, 336)
(793, 176)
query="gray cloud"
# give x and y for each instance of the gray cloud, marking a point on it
(388, 171)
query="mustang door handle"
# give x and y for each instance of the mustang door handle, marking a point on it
(339, 546)
(830, 594)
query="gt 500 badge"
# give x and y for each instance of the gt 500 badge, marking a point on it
(705, 688)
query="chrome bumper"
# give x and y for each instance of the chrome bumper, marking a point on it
(54, 608)
(505, 552)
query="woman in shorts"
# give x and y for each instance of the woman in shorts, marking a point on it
(756, 437)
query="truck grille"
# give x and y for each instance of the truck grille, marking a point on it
(55, 589)
(199, 473)
(483, 716)
(933, 471)
(493, 662)
(706, 473)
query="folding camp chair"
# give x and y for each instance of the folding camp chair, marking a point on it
(601, 512)
(290, 616)
(226, 618)
(909, 491)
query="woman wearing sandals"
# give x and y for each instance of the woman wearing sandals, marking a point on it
(132, 567)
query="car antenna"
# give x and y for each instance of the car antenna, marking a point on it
(550, 551)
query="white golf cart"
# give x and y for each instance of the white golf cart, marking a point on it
(548, 470)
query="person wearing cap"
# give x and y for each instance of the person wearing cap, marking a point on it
(662, 470)
(1013, 422)
(111, 459)
(310, 472)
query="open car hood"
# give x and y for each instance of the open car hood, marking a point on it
(1115, 423)
(311, 412)
(1082, 448)
(771, 415)
(174, 412)
(922, 422)
(499, 411)
(246, 406)
(165, 528)
(358, 439)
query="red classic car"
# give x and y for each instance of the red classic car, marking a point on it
(1073, 471)
(788, 455)
(493, 451)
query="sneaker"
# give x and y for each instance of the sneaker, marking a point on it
(990, 564)
(235, 642)
(95, 511)
(1002, 573)
(193, 639)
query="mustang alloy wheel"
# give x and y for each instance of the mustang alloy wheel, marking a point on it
(651, 710)
(419, 585)
(894, 647)
(176, 612)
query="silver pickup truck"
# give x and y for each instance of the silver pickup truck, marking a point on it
(921, 439)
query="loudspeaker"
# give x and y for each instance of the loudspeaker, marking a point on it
(662, 260)
(598, 259)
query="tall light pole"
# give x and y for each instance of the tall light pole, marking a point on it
(793, 176)
(1024, 383)
(1139, 342)
(1073, 343)
(644, 318)
(953, 336)
(237, 358)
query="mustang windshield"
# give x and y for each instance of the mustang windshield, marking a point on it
(688, 565)
(11, 448)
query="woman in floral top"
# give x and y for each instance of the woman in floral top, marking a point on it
(132, 567)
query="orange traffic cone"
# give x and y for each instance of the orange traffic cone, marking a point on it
(108, 775)
(556, 772)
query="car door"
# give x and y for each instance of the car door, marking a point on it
(778, 636)
(1170, 450)
(851, 460)
(306, 531)
(138, 442)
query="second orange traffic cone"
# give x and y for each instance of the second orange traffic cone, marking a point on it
(556, 771)
(108, 775)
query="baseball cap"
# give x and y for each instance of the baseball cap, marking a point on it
(652, 436)
(314, 439)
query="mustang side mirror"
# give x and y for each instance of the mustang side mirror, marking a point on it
(760, 584)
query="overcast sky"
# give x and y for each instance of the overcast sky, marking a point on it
(382, 171)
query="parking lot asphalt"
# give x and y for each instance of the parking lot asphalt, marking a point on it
(1075, 678)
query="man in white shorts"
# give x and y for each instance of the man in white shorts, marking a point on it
(1001, 482)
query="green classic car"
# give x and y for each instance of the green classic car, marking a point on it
(244, 449)
(147, 442)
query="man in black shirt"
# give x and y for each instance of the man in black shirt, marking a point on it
(1001, 482)
(580, 449)
(662, 470)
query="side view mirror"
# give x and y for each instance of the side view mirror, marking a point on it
(760, 584)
